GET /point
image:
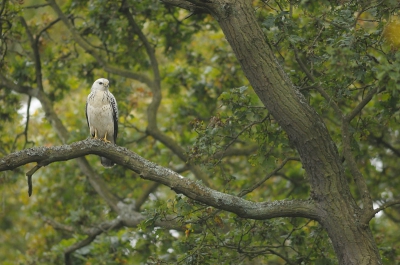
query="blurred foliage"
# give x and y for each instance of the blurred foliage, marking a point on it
(209, 109)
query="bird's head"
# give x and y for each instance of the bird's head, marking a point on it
(100, 84)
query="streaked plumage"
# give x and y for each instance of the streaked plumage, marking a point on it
(102, 115)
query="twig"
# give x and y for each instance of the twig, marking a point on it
(318, 87)
(385, 205)
(36, 55)
(78, 245)
(36, 6)
(222, 154)
(25, 132)
(361, 105)
(29, 175)
(56, 225)
(145, 194)
(272, 173)
(380, 141)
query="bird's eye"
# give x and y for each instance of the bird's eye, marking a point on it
(100, 83)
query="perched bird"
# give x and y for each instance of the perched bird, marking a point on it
(102, 115)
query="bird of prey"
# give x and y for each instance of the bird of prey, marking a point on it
(102, 115)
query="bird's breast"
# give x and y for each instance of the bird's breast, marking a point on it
(98, 99)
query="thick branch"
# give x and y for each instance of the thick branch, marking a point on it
(151, 171)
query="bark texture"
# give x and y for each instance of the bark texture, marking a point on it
(337, 211)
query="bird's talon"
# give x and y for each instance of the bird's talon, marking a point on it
(105, 139)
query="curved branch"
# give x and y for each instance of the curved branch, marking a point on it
(385, 205)
(151, 171)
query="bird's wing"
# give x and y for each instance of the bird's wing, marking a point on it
(87, 120)
(114, 108)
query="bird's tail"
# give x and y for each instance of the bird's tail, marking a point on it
(106, 162)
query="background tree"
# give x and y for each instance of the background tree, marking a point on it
(292, 173)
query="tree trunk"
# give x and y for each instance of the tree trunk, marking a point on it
(338, 212)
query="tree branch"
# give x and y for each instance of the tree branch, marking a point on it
(385, 205)
(272, 173)
(56, 225)
(310, 76)
(349, 117)
(29, 174)
(240, 151)
(355, 172)
(145, 194)
(151, 171)
(92, 234)
(25, 132)
(346, 140)
(379, 141)
(36, 55)
(185, 5)
(125, 219)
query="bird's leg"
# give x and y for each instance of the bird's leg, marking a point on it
(105, 138)
(95, 134)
